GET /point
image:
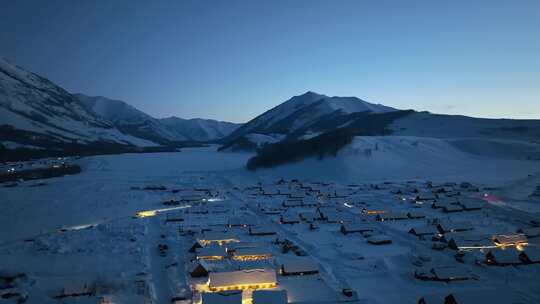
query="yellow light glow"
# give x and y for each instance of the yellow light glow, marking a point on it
(243, 287)
(210, 257)
(251, 257)
(148, 213)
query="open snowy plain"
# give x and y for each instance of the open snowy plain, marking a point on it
(80, 233)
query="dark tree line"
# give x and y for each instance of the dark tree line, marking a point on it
(327, 144)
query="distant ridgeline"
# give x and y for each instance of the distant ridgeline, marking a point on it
(49, 147)
(293, 149)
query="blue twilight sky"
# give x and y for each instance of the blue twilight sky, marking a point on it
(232, 60)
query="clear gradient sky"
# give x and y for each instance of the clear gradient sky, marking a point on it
(232, 60)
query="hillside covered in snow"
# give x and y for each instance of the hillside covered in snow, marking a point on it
(39, 118)
(166, 131)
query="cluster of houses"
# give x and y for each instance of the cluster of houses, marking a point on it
(236, 256)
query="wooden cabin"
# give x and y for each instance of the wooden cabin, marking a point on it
(217, 237)
(242, 279)
(261, 231)
(468, 241)
(211, 253)
(510, 240)
(450, 226)
(347, 228)
(289, 218)
(452, 208)
(299, 267)
(269, 297)
(531, 255)
(500, 257)
(379, 240)
(251, 254)
(424, 230)
(391, 216)
(198, 269)
(224, 297)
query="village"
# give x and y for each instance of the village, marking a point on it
(293, 241)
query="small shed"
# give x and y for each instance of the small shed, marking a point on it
(269, 297)
(299, 267)
(424, 230)
(379, 240)
(347, 228)
(224, 297)
(309, 216)
(452, 208)
(448, 274)
(289, 218)
(531, 255)
(468, 241)
(198, 269)
(262, 230)
(391, 216)
(505, 257)
(494, 296)
(450, 226)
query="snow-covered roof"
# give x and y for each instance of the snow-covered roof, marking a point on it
(258, 251)
(424, 230)
(448, 226)
(224, 297)
(210, 252)
(242, 277)
(507, 256)
(299, 265)
(270, 297)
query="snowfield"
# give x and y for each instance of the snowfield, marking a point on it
(80, 233)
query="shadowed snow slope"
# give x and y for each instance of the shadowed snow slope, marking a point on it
(32, 103)
(172, 129)
(455, 126)
(403, 157)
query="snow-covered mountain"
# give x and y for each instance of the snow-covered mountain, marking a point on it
(200, 129)
(37, 114)
(310, 114)
(307, 115)
(302, 111)
(35, 111)
(132, 121)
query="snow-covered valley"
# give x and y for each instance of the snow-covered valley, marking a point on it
(80, 235)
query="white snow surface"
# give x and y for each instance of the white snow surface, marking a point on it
(30, 102)
(261, 139)
(101, 244)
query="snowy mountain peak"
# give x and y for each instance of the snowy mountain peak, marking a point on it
(353, 104)
(301, 111)
(166, 130)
